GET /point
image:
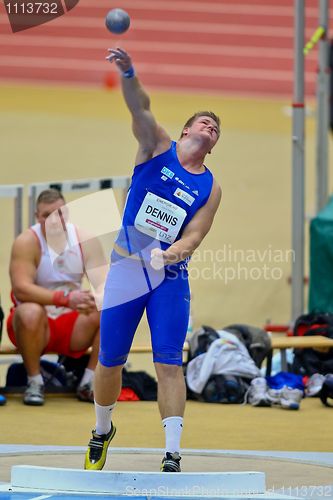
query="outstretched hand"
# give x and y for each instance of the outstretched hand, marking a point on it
(120, 58)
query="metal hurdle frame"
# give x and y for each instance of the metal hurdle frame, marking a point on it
(77, 185)
(15, 191)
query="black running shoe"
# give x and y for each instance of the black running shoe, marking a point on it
(171, 462)
(97, 449)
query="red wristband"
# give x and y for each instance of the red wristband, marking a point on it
(59, 299)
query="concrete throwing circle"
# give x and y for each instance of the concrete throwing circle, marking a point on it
(282, 473)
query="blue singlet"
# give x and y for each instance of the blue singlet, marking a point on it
(162, 199)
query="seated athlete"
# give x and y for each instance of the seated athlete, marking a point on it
(51, 312)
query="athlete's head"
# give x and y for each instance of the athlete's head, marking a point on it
(48, 203)
(203, 122)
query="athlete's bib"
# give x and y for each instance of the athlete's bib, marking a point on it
(159, 218)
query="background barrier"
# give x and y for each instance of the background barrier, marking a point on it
(76, 186)
(16, 192)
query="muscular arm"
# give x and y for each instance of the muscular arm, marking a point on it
(152, 138)
(194, 232)
(24, 260)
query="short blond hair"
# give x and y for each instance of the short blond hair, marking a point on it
(202, 113)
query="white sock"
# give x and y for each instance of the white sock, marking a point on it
(173, 428)
(103, 418)
(88, 377)
(36, 379)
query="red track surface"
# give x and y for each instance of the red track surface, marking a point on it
(214, 45)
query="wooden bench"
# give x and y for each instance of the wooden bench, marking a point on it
(135, 349)
(302, 342)
(282, 343)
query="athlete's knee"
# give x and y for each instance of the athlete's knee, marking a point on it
(108, 371)
(109, 359)
(29, 316)
(168, 371)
